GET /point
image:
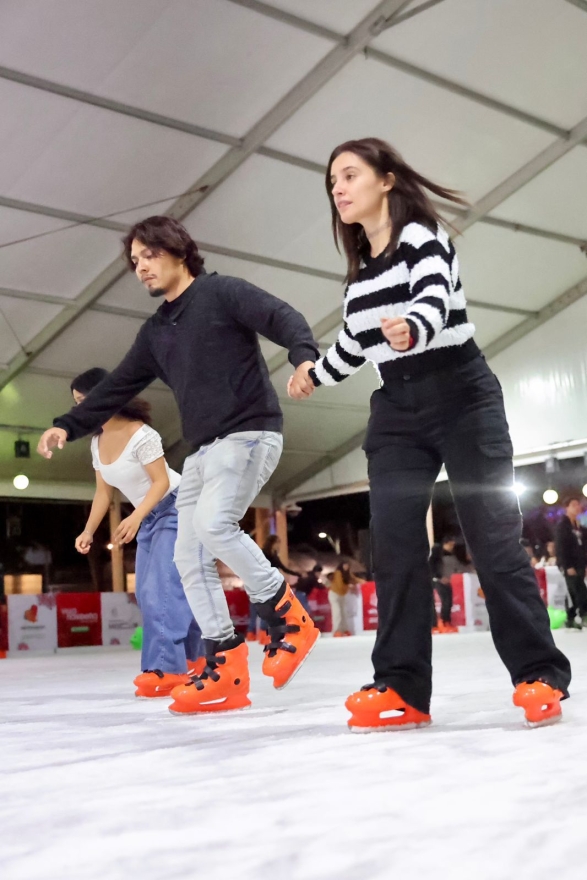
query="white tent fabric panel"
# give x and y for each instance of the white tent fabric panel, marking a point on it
(474, 94)
(270, 208)
(516, 269)
(58, 265)
(101, 162)
(544, 379)
(529, 53)
(194, 59)
(444, 136)
(20, 320)
(341, 17)
(345, 476)
(556, 199)
(94, 340)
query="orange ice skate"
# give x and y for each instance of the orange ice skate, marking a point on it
(540, 702)
(293, 636)
(251, 636)
(222, 686)
(447, 627)
(154, 683)
(195, 667)
(378, 707)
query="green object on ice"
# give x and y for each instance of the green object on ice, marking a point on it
(136, 640)
(557, 617)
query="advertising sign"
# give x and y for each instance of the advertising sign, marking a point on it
(32, 623)
(78, 619)
(120, 618)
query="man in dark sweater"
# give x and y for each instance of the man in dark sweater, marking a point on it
(203, 343)
(571, 555)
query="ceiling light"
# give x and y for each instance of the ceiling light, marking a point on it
(20, 482)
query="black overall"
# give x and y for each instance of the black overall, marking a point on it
(453, 416)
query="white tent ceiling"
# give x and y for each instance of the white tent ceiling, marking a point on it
(106, 106)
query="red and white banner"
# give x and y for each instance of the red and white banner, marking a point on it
(78, 619)
(120, 618)
(370, 615)
(32, 623)
(556, 588)
(320, 609)
(476, 615)
(239, 608)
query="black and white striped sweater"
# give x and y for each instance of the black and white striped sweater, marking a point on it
(421, 284)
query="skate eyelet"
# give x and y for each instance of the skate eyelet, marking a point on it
(237, 681)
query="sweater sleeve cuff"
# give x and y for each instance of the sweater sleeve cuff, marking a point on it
(414, 333)
(314, 378)
(64, 425)
(303, 353)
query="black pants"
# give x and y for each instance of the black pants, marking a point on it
(578, 593)
(455, 416)
(445, 595)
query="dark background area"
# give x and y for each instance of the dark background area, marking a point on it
(55, 525)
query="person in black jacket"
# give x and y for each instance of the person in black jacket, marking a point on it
(571, 554)
(306, 584)
(203, 342)
(444, 564)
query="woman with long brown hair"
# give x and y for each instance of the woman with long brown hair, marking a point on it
(439, 403)
(127, 453)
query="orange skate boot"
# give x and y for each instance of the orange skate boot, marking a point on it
(196, 667)
(154, 683)
(540, 702)
(444, 627)
(293, 635)
(377, 707)
(223, 685)
(251, 636)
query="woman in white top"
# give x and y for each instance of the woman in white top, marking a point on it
(128, 455)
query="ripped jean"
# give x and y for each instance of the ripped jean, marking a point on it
(219, 483)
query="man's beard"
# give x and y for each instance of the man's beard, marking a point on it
(158, 291)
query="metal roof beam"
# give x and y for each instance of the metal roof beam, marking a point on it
(522, 176)
(562, 302)
(328, 459)
(322, 73)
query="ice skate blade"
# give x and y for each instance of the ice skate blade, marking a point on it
(212, 711)
(299, 666)
(547, 722)
(386, 728)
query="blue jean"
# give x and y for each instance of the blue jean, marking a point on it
(170, 633)
(304, 600)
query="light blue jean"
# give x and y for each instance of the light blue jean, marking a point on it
(170, 633)
(218, 485)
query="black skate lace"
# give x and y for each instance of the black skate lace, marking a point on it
(156, 672)
(373, 686)
(209, 672)
(278, 641)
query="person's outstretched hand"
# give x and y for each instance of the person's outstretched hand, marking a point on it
(397, 333)
(54, 437)
(300, 384)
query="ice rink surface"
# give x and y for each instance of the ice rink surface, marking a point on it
(96, 784)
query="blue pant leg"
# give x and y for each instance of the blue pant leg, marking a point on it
(167, 617)
(141, 568)
(253, 616)
(304, 600)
